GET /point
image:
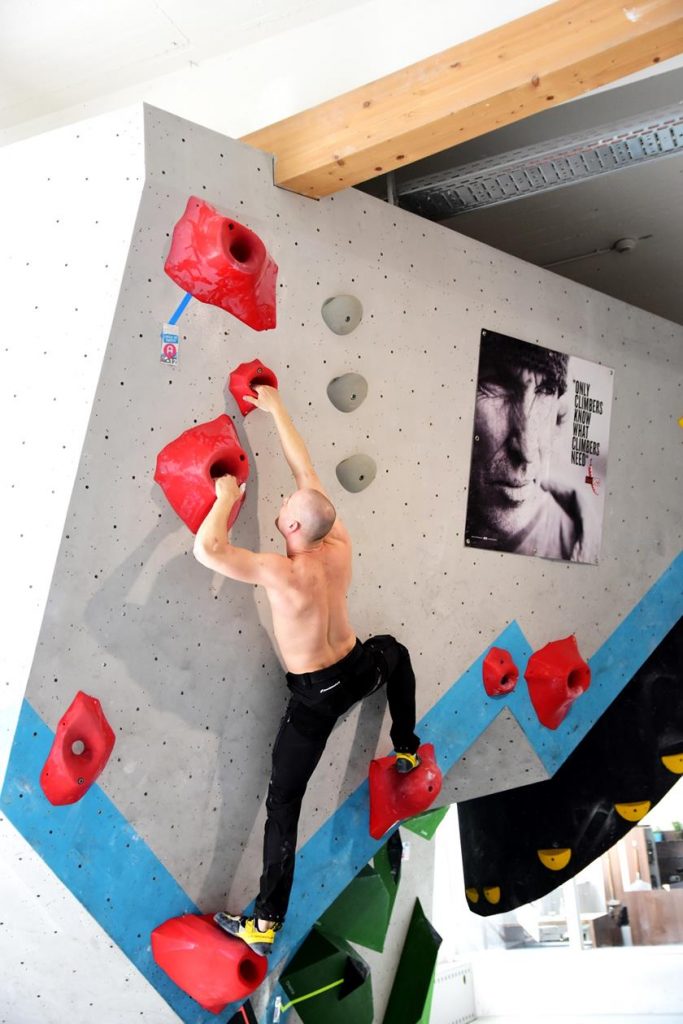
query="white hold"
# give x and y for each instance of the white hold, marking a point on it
(342, 313)
(347, 392)
(356, 473)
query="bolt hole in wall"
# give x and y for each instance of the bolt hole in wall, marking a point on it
(630, 896)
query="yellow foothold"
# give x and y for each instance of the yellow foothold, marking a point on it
(554, 859)
(472, 895)
(492, 893)
(680, 422)
(674, 762)
(633, 812)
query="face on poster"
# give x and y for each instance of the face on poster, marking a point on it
(538, 474)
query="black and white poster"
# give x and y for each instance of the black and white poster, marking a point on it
(539, 451)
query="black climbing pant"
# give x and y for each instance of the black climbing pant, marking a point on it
(317, 702)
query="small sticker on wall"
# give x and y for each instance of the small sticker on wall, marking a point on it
(170, 344)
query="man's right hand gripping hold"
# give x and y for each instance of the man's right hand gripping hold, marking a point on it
(328, 669)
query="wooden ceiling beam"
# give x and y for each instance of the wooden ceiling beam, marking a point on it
(535, 62)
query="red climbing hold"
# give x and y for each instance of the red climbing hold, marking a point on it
(223, 263)
(394, 797)
(187, 467)
(556, 675)
(500, 672)
(213, 968)
(245, 378)
(83, 742)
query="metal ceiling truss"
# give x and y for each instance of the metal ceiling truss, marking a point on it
(545, 166)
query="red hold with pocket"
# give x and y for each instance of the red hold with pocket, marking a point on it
(394, 797)
(221, 262)
(245, 378)
(499, 672)
(556, 675)
(69, 773)
(210, 966)
(187, 468)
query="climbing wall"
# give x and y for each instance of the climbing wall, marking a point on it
(183, 661)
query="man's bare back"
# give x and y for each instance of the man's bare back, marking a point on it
(310, 614)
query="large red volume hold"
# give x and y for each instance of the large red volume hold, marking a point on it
(394, 797)
(556, 675)
(187, 468)
(499, 672)
(212, 967)
(83, 742)
(223, 263)
(245, 378)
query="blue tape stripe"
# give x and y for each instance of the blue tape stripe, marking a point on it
(100, 857)
(180, 310)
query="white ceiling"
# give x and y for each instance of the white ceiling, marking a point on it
(61, 62)
(56, 54)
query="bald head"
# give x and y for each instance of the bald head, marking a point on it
(314, 513)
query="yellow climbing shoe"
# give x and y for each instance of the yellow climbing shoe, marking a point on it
(247, 929)
(407, 763)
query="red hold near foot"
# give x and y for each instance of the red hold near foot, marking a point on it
(245, 378)
(213, 968)
(394, 797)
(81, 748)
(223, 263)
(187, 468)
(556, 675)
(500, 672)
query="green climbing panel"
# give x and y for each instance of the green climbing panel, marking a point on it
(426, 824)
(413, 984)
(321, 961)
(361, 913)
(427, 1012)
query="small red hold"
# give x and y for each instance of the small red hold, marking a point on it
(556, 675)
(500, 672)
(245, 378)
(394, 797)
(81, 748)
(223, 263)
(213, 968)
(187, 468)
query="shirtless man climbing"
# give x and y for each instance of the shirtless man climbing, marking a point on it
(328, 669)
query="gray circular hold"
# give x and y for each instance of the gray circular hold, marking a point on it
(356, 473)
(342, 313)
(347, 392)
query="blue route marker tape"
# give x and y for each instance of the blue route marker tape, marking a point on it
(180, 310)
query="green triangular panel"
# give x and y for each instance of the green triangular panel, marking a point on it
(361, 913)
(415, 972)
(426, 824)
(424, 1019)
(321, 960)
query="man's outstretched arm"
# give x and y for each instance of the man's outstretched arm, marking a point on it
(293, 445)
(213, 549)
(295, 450)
